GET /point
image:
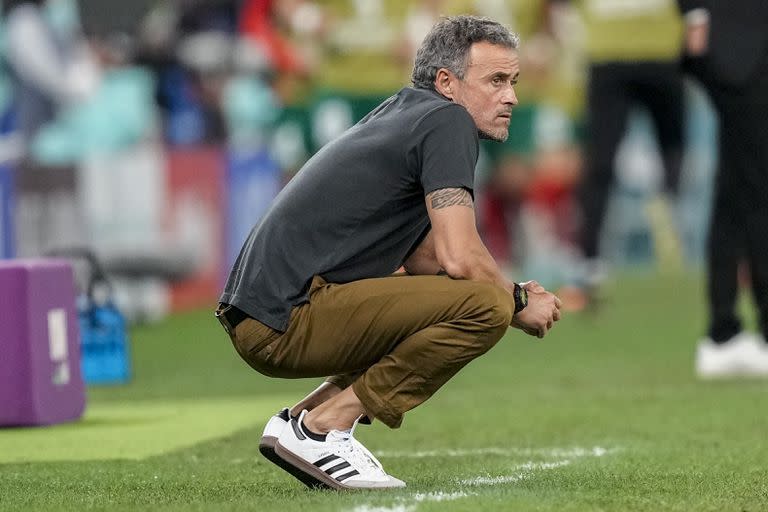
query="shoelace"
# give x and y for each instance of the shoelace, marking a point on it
(356, 453)
(362, 448)
(368, 453)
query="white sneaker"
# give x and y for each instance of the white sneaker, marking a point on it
(339, 462)
(272, 431)
(745, 354)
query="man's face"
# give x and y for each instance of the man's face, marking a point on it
(487, 89)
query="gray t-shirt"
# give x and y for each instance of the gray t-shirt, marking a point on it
(356, 209)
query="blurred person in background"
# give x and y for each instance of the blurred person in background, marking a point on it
(50, 62)
(727, 47)
(312, 292)
(633, 52)
(419, 19)
(190, 46)
(52, 70)
(291, 35)
(528, 211)
(155, 49)
(207, 34)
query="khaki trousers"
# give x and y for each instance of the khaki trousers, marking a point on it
(395, 340)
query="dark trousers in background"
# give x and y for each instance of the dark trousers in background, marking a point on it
(614, 88)
(739, 224)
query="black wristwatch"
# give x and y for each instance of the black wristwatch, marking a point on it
(520, 295)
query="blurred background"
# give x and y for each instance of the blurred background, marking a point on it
(156, 132)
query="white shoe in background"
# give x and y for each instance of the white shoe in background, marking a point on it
(744, 355)
(758, 364)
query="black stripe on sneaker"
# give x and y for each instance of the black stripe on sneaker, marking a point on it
(326, 460)
(284, 415)
(337, 467)
(347, 475)
(297, 430)
(312, 435)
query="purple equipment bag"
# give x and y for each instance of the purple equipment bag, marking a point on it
(40, 379)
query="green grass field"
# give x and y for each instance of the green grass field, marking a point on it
(603, 414)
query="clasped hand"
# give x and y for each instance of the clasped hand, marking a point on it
(542, 311)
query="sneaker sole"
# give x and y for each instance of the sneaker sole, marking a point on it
(268, 446)
(298, 466)
(305, 471)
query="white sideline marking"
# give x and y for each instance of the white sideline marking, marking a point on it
(418, 498)
(440, 496)
(396, 508)
(525, 471)
(574, 452)
(520, 472)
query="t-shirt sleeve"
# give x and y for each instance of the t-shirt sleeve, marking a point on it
(446, 149)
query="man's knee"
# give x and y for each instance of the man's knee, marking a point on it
(497, 302)
(494, 307)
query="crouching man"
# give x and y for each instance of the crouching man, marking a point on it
(312, 292)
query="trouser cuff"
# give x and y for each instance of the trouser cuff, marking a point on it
(375, 407)
(345, 380)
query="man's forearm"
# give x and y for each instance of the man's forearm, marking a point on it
(477, 264)
(454, 240)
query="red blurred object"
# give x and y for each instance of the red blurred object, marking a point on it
(257, 22)
(196, 176)
(494, 222)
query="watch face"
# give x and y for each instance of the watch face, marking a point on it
(521, 298)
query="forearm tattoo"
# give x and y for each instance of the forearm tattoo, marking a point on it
(445, 197)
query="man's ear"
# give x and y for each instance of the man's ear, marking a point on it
(443, 82)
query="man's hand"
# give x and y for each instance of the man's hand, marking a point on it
(542, 311)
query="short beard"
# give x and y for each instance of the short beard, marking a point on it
(485, 135)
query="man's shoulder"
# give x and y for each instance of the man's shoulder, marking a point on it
(410, 106)
(424, 99)
(426, 106)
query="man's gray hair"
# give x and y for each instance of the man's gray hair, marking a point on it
(447, 46)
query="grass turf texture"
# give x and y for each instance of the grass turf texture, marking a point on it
(603, 414)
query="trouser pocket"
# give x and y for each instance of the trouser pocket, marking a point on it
(255, 342)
